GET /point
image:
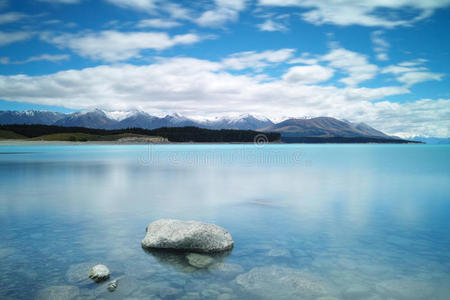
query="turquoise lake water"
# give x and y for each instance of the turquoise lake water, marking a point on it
(308, 221)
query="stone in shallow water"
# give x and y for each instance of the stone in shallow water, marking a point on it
(281, 283)
(112, 286)
(405, 289)
(62, 292)
(199, 261)
(226, 270)
(99, 273)
(126, 288)
(187, 235)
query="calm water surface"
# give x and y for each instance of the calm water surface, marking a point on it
(309, 221)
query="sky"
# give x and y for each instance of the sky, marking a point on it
(385, 63)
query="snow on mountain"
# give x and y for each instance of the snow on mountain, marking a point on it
(96, 118)
(29, 117)
(120, 115)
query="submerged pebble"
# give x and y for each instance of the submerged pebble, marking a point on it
(112, 286)
(199, 261)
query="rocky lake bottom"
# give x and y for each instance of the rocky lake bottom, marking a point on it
(318, 222)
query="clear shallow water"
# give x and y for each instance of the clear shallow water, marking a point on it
(309, 221)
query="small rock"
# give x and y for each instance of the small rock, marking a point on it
(99, 273)
(113, 285)
(199, 261)
(128, 286)
(187, 235)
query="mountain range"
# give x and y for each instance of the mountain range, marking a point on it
(314, 127)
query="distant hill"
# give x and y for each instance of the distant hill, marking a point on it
(432, 140)
(324, 127)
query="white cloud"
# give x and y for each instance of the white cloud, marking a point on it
(257, 60)
(363, 12)
(7, 38)
(217, 17)
(381, 45)
(43, 57)
(148, 6)
(118, 46)
(352, 63)
(199, 87)
(412, 72)
(305, 58)
(270, 25)
(176, 11)
(62, 1)
(411, 78)
(216, 14)
(158, 23)
(308, 74)
(11, 17)
(225, 11)
(426, 117)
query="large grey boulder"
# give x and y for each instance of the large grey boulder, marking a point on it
(189, 236)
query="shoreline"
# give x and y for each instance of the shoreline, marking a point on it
(14, 142)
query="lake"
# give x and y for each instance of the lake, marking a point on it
(308, 221)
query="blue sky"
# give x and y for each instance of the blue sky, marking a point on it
(381, 62)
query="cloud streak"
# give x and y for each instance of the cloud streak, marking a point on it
(363, 12)
(113, 46)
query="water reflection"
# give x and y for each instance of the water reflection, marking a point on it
(187, 261)
(367, 222)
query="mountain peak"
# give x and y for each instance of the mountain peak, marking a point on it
(104, 119)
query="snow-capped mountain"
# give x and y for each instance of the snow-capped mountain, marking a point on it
(29, 117)
(321, 126)
(93, 119)
(246, 121)
(126, 119)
